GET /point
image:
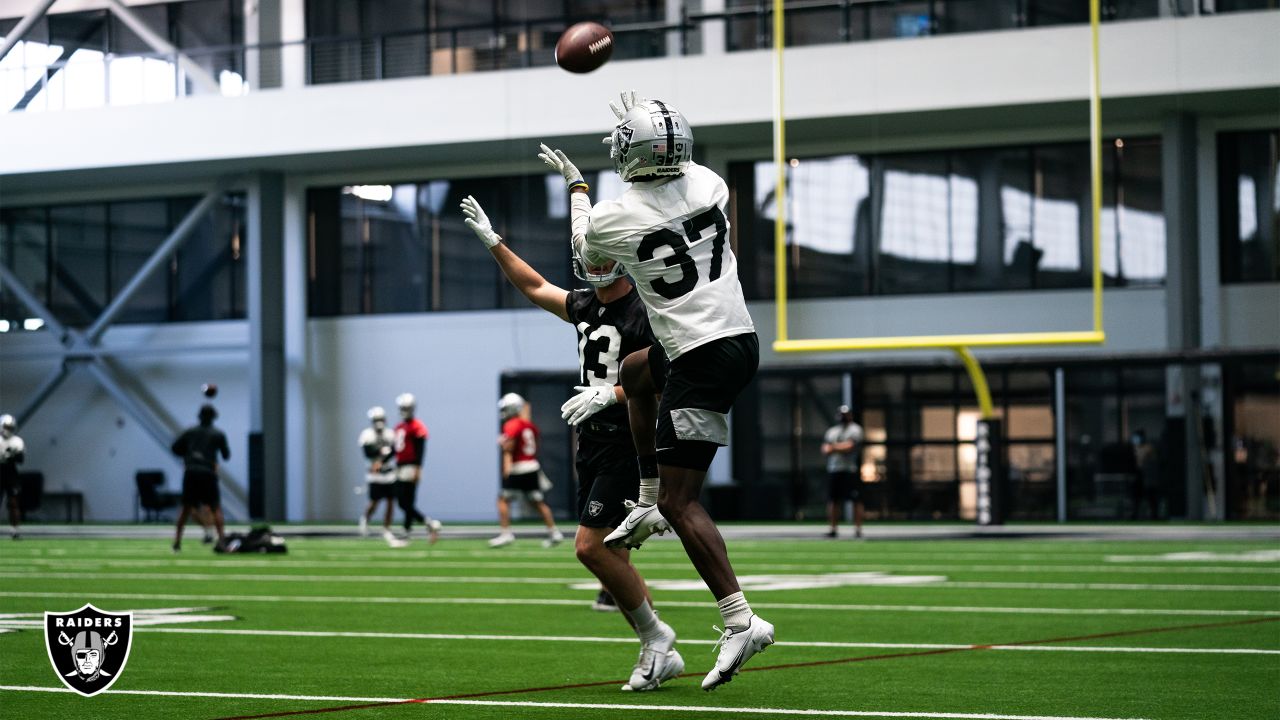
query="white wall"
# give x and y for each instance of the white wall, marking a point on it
(452, 363)
(82, 440)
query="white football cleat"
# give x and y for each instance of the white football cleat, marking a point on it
(433, 530)
(639, 524)
(554, 539)
(364, 526)
(658, 663)
(504, 538)
(736, 648)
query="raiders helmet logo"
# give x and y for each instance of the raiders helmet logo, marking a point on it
(594, 507)
(88, 647)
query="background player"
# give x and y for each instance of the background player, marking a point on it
(670, 231)
(12, 453)
(521, 471)
(378, 443)
(841, 445)
(411, 452)
(610, 323)
(199, 448)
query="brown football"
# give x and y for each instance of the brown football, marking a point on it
(584, 47)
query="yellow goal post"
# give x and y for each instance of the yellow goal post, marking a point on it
(961, 343)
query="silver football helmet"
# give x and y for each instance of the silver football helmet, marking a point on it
(407, 404)
(8, 426)
(593, 274)
(510, 405)
(652, 140)
(377, 416)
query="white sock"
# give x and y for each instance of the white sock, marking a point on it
(648, 480)
(648, 491)
(735, 611)
(646, 620)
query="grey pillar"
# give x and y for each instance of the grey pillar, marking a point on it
(1182, 294)
(263, 24)
(266, 299)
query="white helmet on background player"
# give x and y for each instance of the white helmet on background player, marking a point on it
(8, 426)
(407, 404)
(651, 140)
(510, 405)
(377, 416)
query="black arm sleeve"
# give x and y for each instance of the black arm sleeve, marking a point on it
(226, 449)
(420, 445)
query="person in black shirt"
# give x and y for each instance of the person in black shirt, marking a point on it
(199, 448)
(611, 323)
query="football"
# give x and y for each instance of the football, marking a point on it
(584, 47)
(209, 390)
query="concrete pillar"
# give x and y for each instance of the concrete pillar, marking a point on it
(263, 26)
(1182, 299)
(266, 300)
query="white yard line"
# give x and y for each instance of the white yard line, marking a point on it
(503, 580)
(686, 641)
(728, 710)
(583, 601)
(489, 563)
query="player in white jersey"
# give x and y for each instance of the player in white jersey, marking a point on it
(670, 231)
(378, 444)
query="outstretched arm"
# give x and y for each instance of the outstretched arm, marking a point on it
(528, 281)
(579, 201)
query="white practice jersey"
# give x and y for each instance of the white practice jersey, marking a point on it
(382, 445)
(672, 236)
(10, 448)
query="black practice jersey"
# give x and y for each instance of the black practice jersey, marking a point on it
(200, 446)
(607, 333)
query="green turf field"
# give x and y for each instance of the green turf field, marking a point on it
(351, 628)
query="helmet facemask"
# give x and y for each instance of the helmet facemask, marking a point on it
(596, 275)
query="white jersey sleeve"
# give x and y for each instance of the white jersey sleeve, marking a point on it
(673, 238)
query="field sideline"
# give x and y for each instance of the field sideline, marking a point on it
(1015, 629)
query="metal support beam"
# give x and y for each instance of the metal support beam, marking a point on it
(12, 284)
(157, 259)
(20, 30)
(193, 70)
(1060, 439)
(43, 392)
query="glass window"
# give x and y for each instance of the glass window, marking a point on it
(27, 255)
(1249, 205)
(137, 229)
(914, 226)
(1139, 211)
(828, 206)
(79, 242)
(1059, 254)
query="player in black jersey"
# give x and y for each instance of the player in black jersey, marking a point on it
(611, 323)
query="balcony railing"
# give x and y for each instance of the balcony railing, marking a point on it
(37, 77)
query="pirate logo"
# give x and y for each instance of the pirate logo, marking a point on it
(594, 507)
(88, 647)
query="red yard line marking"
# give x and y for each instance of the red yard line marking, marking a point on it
(787, 666)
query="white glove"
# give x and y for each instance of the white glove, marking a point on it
(629, 100)
(479, 222)
(590, 400)
(558, 161)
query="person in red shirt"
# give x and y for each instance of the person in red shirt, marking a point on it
(521, 472)
(411, 451)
